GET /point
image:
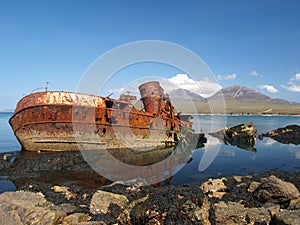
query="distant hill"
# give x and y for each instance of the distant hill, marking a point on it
(186, 95)
(243, 93)
(238, 100)
(240, 92)
(7, 110)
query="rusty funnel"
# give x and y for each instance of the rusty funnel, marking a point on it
(152, 96)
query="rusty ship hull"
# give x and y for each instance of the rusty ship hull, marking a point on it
(66, 121)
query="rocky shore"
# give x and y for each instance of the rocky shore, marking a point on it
(44, 196)
(270, 198)
(61, 188)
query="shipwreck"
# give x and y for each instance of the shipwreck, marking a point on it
(68, 121)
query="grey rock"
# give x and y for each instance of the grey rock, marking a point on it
(29, 208)
(124, 217)
(238, 179)
(196, 214)
(272, 208)
(103, 200)
(287, 217)
(76, 218)
(23, 198)
(9, 216)
(295, 204)
(235, 213)
(66, 207)
(273, 189)
(253, 186)
(214, 187)
(92, 223)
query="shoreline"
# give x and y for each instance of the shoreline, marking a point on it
(61, 188)
(64, 187)
(59, 167)
(223, 200)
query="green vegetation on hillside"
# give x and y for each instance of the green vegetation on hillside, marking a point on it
(234, 106)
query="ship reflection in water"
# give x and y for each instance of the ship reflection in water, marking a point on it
(71, 168)
(90, 169)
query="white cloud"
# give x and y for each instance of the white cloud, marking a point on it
(293, 88)
(294, 83)
(254, 73)
(227, 77)
(268, 88)
(205, 87)
(296, 77)
(268, 142)
(117, 91)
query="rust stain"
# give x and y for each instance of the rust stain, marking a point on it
(47, 120)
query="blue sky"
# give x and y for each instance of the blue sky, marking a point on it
(253, 43)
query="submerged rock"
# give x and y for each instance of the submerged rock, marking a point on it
(287, 135)
(242, 136)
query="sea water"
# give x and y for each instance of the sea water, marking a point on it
(8, 141)
(215, 158)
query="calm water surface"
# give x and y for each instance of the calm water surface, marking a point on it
(216, 158)
(8, 141)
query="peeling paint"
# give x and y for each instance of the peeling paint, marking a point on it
(70, 121)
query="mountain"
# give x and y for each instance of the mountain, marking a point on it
(185, 95)
(238, 100)
(242, 93)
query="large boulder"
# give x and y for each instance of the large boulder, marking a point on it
(236, 214)
(287, 217)
(9, 216)
(275, 190)
(28, 208)
(102, 202)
